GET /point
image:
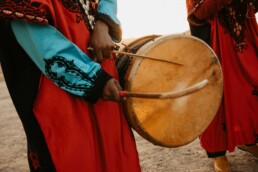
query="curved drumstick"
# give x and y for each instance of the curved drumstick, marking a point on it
(167, 95)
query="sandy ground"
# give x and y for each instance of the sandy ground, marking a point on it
(188, 158)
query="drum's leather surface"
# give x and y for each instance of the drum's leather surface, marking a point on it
(172, 122)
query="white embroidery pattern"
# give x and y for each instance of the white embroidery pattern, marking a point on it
(86, 6)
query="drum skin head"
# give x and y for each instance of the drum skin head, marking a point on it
(177, 121)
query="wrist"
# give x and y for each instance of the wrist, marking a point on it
(101, 24)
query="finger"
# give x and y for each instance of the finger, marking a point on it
(116, 47)
(114, 90)
(99, 57)
(107, 51)
(92, 54)
(107, 54)
(108, 89)
(119, 88)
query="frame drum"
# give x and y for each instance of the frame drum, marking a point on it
(177, 121)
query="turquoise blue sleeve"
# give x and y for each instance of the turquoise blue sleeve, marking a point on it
(59, 59)
(107, 12)
(109, 8)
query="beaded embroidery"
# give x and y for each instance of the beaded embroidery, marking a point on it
(23, 10)
(232, 18)
(86, 82)
(88, 7)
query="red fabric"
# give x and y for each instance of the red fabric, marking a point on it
(236, 122)
(209, 8)
(81, 136)
(203, 9)
(85, 137)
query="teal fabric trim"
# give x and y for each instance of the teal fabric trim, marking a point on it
(109, 8)
(57, 57)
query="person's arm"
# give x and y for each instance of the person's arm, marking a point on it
(61, 60)
(204, 9)
(209, 8)
(106, 32)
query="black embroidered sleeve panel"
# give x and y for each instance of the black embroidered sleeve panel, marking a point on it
(90, 87)
(98, 88)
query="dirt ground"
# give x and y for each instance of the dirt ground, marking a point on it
(188, 158)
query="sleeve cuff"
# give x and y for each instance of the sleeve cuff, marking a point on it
(195, 21)
(97, 91)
